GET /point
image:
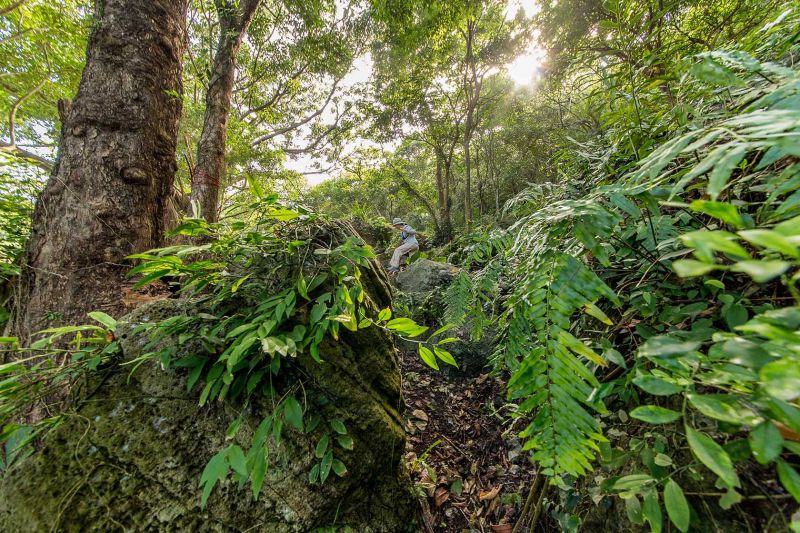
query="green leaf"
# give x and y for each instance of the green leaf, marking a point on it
(781, 378)
(729, 499)
(237, 460)
(771, 240)
(322, 446)
(677, 506)
(667, 346)
(428, 357)
(445, 356)
(384, 315)
(338, 426)
(735, 315)
(633, 508)
(293, 412)
(651, 511)
(725, 407)
(706, 243)
(790, 479)
(240, 329)
(656, 386)
(235, 286)
(104, 319)
(325, 466)
(722, 170)
(258, 470)
(654, 414)
(766, 442)
(713, 456)
(318, 311)
(715, 73)
(725, 212)
(689, 268)
(151, 277)
(594, 311)
(662, 459)
(338, 468)
(746, 353)
(313, 474)
(345, 441)
(631, 482)
(215, 471)
(761, 271)
(406, 326)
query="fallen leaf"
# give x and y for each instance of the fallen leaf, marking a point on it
(501, 528)
(440, 496)
(419, 413)
(490, 494)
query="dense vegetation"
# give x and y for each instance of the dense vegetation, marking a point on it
(626, 225)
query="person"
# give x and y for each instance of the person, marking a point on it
(409, 243)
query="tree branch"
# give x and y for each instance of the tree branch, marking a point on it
(16, 151)
(299, 123)
(12, 7)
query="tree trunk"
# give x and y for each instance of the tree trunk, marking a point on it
(116, 162)
(467, 176)
(479, 182)
(445, 233)
(472, 89)
(210, 169)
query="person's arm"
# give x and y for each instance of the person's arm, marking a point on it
(408, 229)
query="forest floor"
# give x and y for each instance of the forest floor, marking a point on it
(468, 478)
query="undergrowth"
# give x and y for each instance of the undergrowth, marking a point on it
(265, 288)
(668, 289)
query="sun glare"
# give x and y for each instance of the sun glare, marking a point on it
(524, 68)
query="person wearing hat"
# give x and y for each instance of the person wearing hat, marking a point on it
(409, 244)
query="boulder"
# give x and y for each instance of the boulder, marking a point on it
(424, 287)
(425, 275)
(129, 455)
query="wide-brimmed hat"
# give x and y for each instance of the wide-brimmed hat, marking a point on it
(397, 222)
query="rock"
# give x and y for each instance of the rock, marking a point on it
(379, 235)
(423, 287)
(130, 455)
(425, 275)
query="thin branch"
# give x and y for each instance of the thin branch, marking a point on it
(16, 151)
(299, 123)
(12, 7)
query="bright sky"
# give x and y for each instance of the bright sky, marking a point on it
(522, 71)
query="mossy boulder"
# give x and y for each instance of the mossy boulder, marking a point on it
(129, 455)
(425, 275)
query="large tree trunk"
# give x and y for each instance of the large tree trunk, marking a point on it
(210, 169)
(106, 197)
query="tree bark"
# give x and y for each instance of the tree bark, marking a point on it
(234, 19)
(472, 87)
(445, 228)
(105, 199)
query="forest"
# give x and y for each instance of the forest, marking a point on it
(491, 266)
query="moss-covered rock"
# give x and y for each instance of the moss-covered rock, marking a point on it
(425, 275)
(129, 455)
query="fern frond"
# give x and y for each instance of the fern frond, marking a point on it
(552, 379)
(458, 299)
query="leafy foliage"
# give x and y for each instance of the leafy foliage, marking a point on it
(253, 323)
(693, 237)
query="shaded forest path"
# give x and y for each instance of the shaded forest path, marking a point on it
(467, 477)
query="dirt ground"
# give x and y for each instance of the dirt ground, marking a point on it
(469, 478)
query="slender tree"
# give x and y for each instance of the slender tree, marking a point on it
(234, 18)
(107, 193)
